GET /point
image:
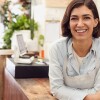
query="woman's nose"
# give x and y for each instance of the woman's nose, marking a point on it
(80, 23)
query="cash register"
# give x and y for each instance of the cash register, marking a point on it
(20, 55)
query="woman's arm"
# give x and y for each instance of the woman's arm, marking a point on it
(95, 96)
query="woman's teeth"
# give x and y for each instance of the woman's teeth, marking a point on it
(81, 31)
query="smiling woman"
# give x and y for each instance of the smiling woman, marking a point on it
(74, 66)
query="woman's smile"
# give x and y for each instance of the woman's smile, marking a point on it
(81, 31)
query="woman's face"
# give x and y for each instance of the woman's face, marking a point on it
(82, 23)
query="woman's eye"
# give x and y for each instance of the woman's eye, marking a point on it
(86, 18)
(73, 19)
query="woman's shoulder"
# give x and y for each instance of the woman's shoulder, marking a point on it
(61, 41)
(59, 46)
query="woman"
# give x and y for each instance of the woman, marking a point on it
(74, 70)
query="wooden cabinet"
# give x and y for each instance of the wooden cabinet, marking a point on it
(12, 90)
(3, 55)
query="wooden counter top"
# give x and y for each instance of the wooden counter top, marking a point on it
(36, 88)
(6, 52)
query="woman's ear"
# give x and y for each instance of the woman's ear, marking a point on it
(96, 22)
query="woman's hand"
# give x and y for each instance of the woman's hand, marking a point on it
(95, 96)
(90, 97)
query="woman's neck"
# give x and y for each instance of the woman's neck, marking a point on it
(82, 47)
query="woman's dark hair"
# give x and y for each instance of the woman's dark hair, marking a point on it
(75, 4)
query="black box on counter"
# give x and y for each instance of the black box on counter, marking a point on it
(33, 70)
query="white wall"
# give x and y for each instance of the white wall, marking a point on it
(54, 13)
(97, 2)
(49, 22)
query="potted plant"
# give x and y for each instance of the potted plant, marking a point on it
(21, 22)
